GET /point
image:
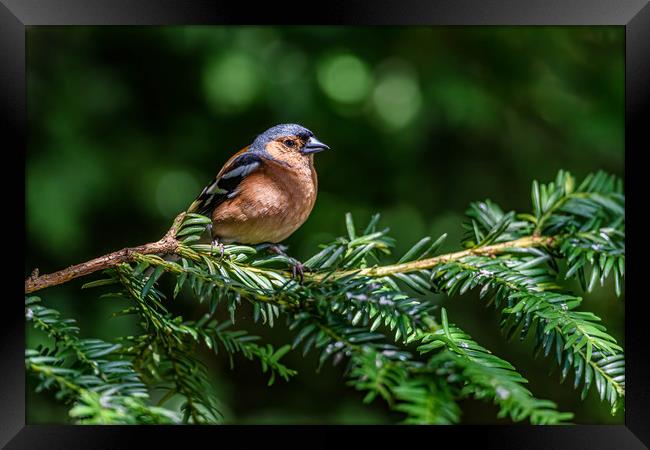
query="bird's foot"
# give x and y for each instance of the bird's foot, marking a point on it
(297, 268)
(216, 243)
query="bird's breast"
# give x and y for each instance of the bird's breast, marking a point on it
(269, 206)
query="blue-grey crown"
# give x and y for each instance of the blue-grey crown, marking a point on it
(284, 129)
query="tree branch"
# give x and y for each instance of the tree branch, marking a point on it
(168, 244)
(422, 264)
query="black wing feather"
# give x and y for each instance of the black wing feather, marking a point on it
(224, 185)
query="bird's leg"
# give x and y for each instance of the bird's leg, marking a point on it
(278, 249)
(264, 246)
(297, 268)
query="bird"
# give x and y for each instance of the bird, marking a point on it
(265, 191)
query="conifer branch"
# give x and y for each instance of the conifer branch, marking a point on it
(170, 245)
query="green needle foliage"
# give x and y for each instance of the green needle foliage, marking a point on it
(395, 344)
(88, 374)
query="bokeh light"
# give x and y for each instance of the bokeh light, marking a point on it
(344, 78)
(397, 97)
(231, 82)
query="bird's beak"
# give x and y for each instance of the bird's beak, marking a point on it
(313, 145)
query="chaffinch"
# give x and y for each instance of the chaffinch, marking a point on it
(265, 191)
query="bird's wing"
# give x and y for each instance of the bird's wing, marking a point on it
(225, 184)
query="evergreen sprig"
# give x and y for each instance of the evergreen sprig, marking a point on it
(239, 341)
(381, 320)
(485, 376)
(88, 374)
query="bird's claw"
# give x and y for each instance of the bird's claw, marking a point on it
(218, 244)
(298, 271)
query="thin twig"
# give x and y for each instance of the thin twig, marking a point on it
(422, 264)
(167, 245)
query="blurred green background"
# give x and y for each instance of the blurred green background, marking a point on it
(127, 124)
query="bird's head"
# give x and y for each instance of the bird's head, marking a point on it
(288, 143)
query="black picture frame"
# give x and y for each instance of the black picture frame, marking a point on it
(634, 15)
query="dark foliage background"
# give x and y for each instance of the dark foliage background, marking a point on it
(127, 124)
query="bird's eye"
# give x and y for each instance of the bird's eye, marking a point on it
(289, 143)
